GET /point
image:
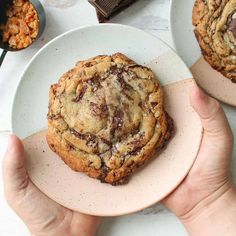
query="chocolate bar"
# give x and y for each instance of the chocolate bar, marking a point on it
(108, 8)
(105, 7)
(101, 17)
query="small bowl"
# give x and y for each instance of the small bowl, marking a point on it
(3, 18)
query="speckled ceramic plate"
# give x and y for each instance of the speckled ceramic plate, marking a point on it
(187, 47)
(75, 190)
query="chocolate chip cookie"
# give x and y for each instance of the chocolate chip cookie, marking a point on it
(106, 117)
(215, 30)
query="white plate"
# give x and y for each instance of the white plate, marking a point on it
(182, 31)
(76, 190)
(188, 49)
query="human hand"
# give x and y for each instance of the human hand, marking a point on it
(42, 216)
(208, 182)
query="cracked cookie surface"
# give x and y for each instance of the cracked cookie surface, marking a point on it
(106, 117)
(215, 30)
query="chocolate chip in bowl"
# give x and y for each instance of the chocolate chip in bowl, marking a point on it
(21, 23)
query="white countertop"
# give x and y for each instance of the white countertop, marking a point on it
(62, 15)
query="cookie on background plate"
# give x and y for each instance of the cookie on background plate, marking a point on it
(106, 117)
(215, 30)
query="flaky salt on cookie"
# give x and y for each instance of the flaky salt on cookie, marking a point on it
(106, 117)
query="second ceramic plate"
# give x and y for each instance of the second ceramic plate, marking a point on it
(75, 190)
(187, 47)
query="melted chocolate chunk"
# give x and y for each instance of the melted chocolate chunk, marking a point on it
(104, 107)
(95, 82)
(107, 142)
(99, 110)
(63, 92)
(127, 95)
(154, 104)
(123, 84)
(54, 116)
(105, 170)
(114, 149)
(77, 134)
(54, 88)
(117, 120)
(134, 152)
(138, 141)
(105, 155)
(231, 23)
(80, 96)
(134, 132)
(140, 104)
(114, 70)
(139, 66)
(91, 140)
(90, 163)
(71, 147)
(131, 163)
(88, 64)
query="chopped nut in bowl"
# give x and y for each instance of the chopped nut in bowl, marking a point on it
(21, 23)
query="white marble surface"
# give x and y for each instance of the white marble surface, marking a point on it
(62, 15)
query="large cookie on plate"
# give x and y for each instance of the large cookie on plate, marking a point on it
(106, 117)
(215, 30)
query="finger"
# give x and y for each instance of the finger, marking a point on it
(214, 121)
(15, 177)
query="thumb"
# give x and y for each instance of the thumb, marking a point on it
(15, 177)
(217, 142)
(214, 121)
